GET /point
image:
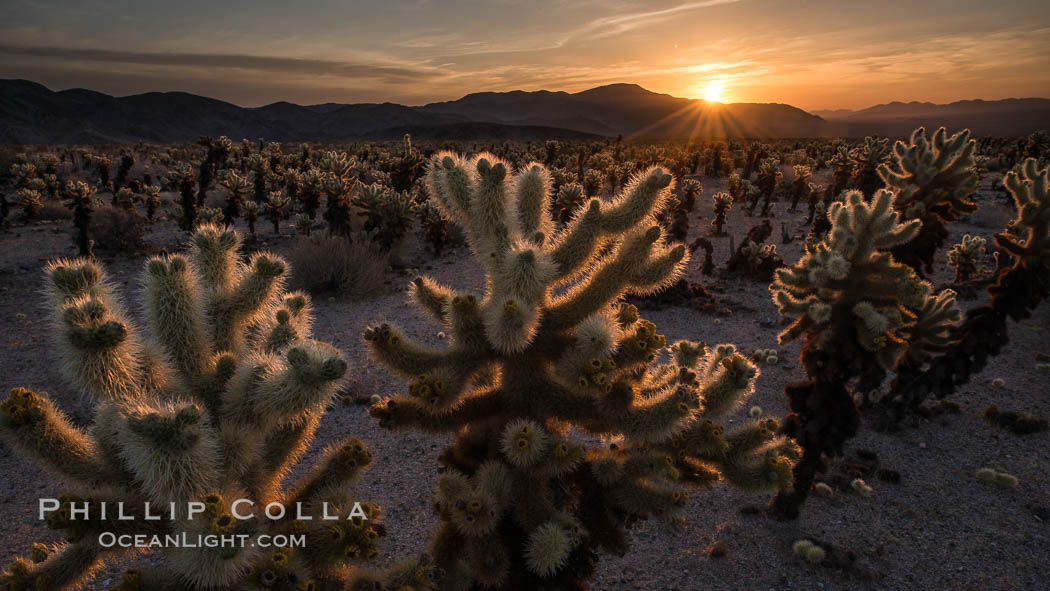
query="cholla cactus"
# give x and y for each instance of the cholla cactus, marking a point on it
(522, 504)
(259, 171)
(236, 187)
(689, 190)
(79, 197)
(570, 198)
(125, 198)
(434, 226)
(842, 170)
(768, 177)
(1019, 286)
(966, 256)
(208, 215)
(388, 214)
(23, 173)
(252, 209)
(800, 187)
(339, 184)
(276, 204)
(183, 178)
(215, 402)
(311, 187)
(1031, 193)
(722, 203)
(861, 313)
(735, 186)
(933, 182)
(866, 162)
(30, 201)
(593, 180)
(151, 195)
(757, 259)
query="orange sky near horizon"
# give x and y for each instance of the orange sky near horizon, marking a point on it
(814, 54)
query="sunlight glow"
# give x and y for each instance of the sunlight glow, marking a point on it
(713, 92)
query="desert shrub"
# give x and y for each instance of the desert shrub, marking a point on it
(325, 263)
(54, 211)
(116, 229)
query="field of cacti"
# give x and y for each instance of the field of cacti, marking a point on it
(716, 364)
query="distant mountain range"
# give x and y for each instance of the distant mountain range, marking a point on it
(31, 113)
(1007, 117)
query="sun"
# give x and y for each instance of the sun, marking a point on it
(713, 91)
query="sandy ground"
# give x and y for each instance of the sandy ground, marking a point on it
(938, 529)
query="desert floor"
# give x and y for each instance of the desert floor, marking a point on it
(939, 528)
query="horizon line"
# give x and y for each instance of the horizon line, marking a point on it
(241, 106)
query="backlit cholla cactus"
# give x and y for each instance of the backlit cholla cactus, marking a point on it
(545, 355)
(866, 161)
(768, 177)
(214, 402)
(800, 187)
(933, 181)
(1030, 242)
(966, 256)
(236, 187)
(721, 204)
(339, 184)
(1019, 285)
(30, 200)
(570, 198)
(861, 313)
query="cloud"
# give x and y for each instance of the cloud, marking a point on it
(616, 24)
(320, 67)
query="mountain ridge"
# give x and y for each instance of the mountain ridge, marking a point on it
(32, 113)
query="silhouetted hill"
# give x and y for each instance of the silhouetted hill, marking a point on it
(31, 113)
(1007, 117)
(631, 110)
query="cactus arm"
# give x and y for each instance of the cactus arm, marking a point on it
(31, 423)
(636, 265)
(408, 413)
(339, 467)
(173, 311)
(230, 313)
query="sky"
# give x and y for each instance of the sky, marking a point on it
(811, 54)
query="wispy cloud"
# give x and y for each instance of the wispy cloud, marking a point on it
(617, 24)
(221, 61)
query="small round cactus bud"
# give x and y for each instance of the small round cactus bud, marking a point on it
(38, 553)
(986, 475)
(547, 549)
(1005, 480)
(861, 487)
(333, 369)
(823, 490)
(523, 442)
(297, 357)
